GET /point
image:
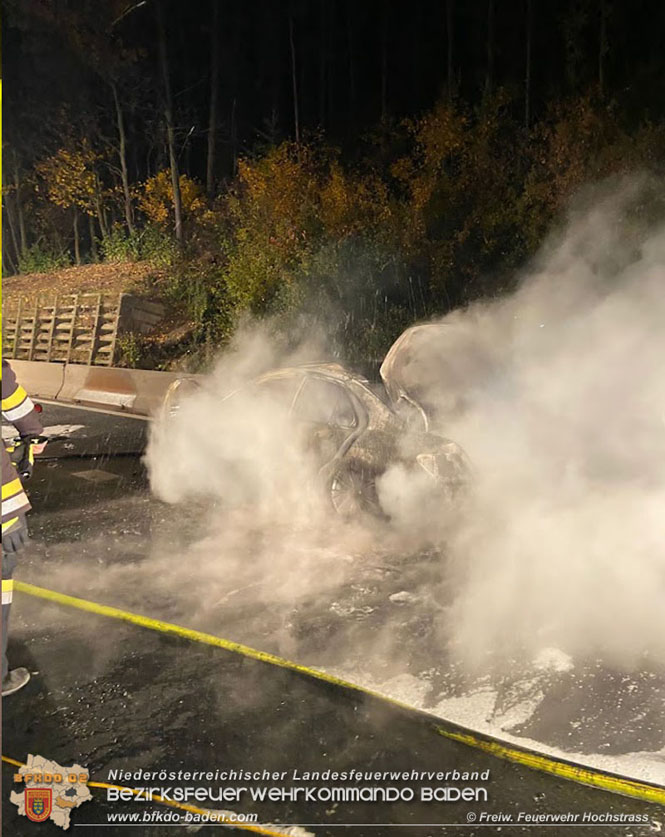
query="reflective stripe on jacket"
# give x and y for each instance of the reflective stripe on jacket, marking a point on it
(17, 408)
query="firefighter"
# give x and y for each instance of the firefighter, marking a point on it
(18, 409)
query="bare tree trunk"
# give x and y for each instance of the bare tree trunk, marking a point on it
(352, 73)
(60, 245)
(527, 69)
(212, 114)
(332, 92)
(77, 243)
(416, 50)
(10, 270)
(489, 79)
(294, 78)
(99, 208)
(384, 65)
(276, 67)
(322, 63)
(21, 226)
(602, 47)
(93, 239)
(234, 140)
(12, 229)
(122, 154)
(170, 131)
(19, 211)
(450, 35)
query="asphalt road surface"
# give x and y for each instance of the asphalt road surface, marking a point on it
(110, 695)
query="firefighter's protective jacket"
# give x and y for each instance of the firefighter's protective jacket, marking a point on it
(18, 409)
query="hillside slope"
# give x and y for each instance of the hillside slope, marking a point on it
(115, 277)
(167, 346)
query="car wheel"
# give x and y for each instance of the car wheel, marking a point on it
(353, 493)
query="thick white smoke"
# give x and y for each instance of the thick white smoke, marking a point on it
(231, 454)
(230, 441)
(557, 393)
(562, 409)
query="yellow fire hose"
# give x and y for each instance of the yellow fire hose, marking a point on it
(560, 768)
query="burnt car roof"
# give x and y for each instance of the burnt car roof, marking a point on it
(331, 370)
(363, 389)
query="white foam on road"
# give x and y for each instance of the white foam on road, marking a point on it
(475, 713)
(478, 712)
(553, 659)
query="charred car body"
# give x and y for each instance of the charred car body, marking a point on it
(353, 431)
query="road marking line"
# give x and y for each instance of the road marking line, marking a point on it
(527, 758)
(256, 829)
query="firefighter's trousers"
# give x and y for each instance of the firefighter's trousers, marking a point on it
(8, 566)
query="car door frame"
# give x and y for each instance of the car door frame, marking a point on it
(360, 412)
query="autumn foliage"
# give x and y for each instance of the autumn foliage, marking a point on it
(155, 197)
(432, 213)
(68, 178)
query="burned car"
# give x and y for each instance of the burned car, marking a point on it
(434, 372)
(353, 432)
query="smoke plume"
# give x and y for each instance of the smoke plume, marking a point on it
(562, 409)
(557, 394)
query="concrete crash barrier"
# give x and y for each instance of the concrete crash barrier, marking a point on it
(138, 392)
(40, 380)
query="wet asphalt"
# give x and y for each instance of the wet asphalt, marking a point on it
(109, 695)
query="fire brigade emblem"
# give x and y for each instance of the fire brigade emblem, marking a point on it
(38, 803)
(51, 791)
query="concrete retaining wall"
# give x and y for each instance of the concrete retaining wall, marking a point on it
(74, 328)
